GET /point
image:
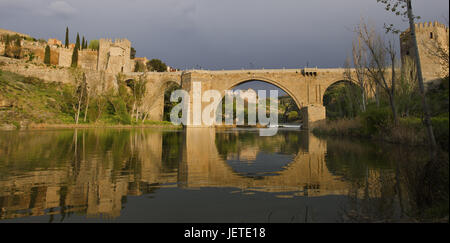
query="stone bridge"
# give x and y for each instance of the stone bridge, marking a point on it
(306, 86)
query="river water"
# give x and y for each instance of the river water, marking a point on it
(199, 175)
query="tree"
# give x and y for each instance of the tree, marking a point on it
(382, 58)
(138, 88)
(75, 58)
(398, 7)
(47, 55)
(17, 48)
(7, 45)
(94, 45)
(77, 43)
(75, 52)
(139, 67)
(359, 58)
(156, 65)
(82, 43)
(67, 38)
(80, 92)
(132, 53)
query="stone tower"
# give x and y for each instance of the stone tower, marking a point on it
(429, 37)
(114, 57)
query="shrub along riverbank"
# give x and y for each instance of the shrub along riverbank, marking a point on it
(376, 124)
(27, 102)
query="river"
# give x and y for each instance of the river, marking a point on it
(200, 175)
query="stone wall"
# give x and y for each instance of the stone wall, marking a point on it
(100, 81)
(2, 49)
(65, 57)
(88, 59)
(54, 56)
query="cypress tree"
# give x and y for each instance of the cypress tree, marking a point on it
(67, 37)
(77, 44)
(82, 43)
(75, 52)
(47, 55)
(74, 58)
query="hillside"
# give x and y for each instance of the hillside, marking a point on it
(26, 100)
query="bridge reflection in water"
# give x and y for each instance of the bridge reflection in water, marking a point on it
(91, 172)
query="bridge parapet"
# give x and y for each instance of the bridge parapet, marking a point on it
(310, 71)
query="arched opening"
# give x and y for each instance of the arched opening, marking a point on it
(252, 156)
(342, 99)
(288, 108)
(168, 88)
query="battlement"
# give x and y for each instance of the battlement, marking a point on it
(427, 27)
(117, 41)
(430, 25)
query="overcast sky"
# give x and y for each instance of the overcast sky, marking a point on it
(214, 34)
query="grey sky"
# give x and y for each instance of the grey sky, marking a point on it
(214, 34)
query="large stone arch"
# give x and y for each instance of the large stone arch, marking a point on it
(270, 81)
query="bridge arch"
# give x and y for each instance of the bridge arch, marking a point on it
(332, 82)
(266, 80)
(336, 100)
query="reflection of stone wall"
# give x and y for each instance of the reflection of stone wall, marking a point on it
(307, 174)
(94, 185)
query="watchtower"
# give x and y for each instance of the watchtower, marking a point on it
(432, 38)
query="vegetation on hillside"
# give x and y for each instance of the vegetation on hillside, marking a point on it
(26, 100)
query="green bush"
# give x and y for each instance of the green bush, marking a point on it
(440, 129)
(121, 113)
(376, 120)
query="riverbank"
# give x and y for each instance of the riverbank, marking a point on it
(409, 131)
(11, 127)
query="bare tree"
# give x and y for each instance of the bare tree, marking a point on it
(382, 62)
(139, 89)
(80, 92)
(359, 57)
(404, 8)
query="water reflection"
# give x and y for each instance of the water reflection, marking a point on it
(93, 172)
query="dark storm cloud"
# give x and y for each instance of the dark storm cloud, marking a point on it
(214, 34)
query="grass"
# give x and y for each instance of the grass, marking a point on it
(29, 100)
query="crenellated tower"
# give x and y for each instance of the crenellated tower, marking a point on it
(114, 57)
(431, 37)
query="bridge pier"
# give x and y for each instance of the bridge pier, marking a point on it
(313, 115)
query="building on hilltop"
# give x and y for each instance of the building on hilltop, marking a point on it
(54, 42)
(431, 38)
(114, 57)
